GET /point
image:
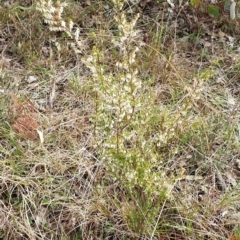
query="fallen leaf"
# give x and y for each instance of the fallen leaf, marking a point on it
(25, 119)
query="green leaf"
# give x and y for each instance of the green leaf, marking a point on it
(213, 11)
(195, 3)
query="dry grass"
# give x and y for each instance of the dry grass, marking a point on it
(57, 186)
